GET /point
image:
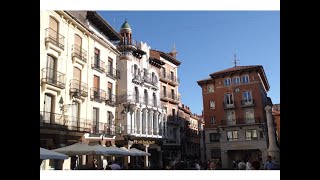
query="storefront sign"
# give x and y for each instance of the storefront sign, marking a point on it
(143, 142)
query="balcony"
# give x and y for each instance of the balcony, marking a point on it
(78, 88)
(173, 120)
(140, 131)
(132, 98)
(241, 121)
(151, 81)
(98, 65)
(168, 78)
(111, 72)
(111, 100)
(52, 77)
(137, 78)
(49, 120)
(173, 98)
(229, 106)
(54, 38)
(97, 94)
(247, 103)
(79, 54)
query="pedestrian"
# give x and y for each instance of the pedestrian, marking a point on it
(268, 165)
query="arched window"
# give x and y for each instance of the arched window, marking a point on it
(145, 96)
(154, 100)
(136, 94)
(51, 69)
(245, 79)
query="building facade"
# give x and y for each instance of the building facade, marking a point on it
(235, 120)
(77, 79)
(276, 118)
(170, 98)
(139, 111)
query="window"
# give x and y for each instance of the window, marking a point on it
(228, 99)
(175, 133)
(231, 117)
(232, 135)
(172, 94)
(154, 99)
(172, 76)
(136, 94)
(51, 73)
(212, 105)
(247, 97)
(48, 115)
(215, 154)
(213, 120)
(109, 91)
(245, 79)
(145, 96)
(249, 115)
(96, 86)
(214, 137)
(164, 91)
(96, 57)
(236, 80)
(109, 116)
(251, 134)
(210, 88)
(163, 71)
(227, 82)
(54, 30)
(110, 67)
(95, 118)
(173, 112)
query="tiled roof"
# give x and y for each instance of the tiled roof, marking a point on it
(203, 80)
(236, 68)
(164, 55)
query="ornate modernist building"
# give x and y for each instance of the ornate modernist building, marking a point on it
(235, 119)
(139, 110)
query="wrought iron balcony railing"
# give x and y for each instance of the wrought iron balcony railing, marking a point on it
(78, 88)
(169, 77)
(111, 72)
(98, 65)
(131, 42)
(248, 102)
(55, 38)
(111, 99)
(97, 94)
(229, 105)
(61, 122)
(79, 53)
(241, 121)
(132, 98)
(53, 77)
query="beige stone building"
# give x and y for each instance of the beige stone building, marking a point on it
(170, 98)
(77, 80)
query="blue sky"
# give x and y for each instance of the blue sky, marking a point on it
(206, 40)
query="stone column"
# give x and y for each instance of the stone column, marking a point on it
(146, 120)
(140, 121)
(146, 160)
(162, 125)
(224, 158)
(132, 114)
(166, 127)
(130, 143)
(273, 149)
(160, 157)
(151, 121)
(157, 122)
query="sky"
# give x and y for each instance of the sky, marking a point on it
(206, 42)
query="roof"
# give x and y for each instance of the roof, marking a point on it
(125, 25)
(236, 68)
(103, 26)
(164, 55)
(204, 80)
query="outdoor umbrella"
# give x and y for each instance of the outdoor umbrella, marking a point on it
(113, 150)
(140, 152)
(48, 154)
(81, 149)
(136, 152)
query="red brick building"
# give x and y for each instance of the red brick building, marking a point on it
(276, 117)
(234, 115)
